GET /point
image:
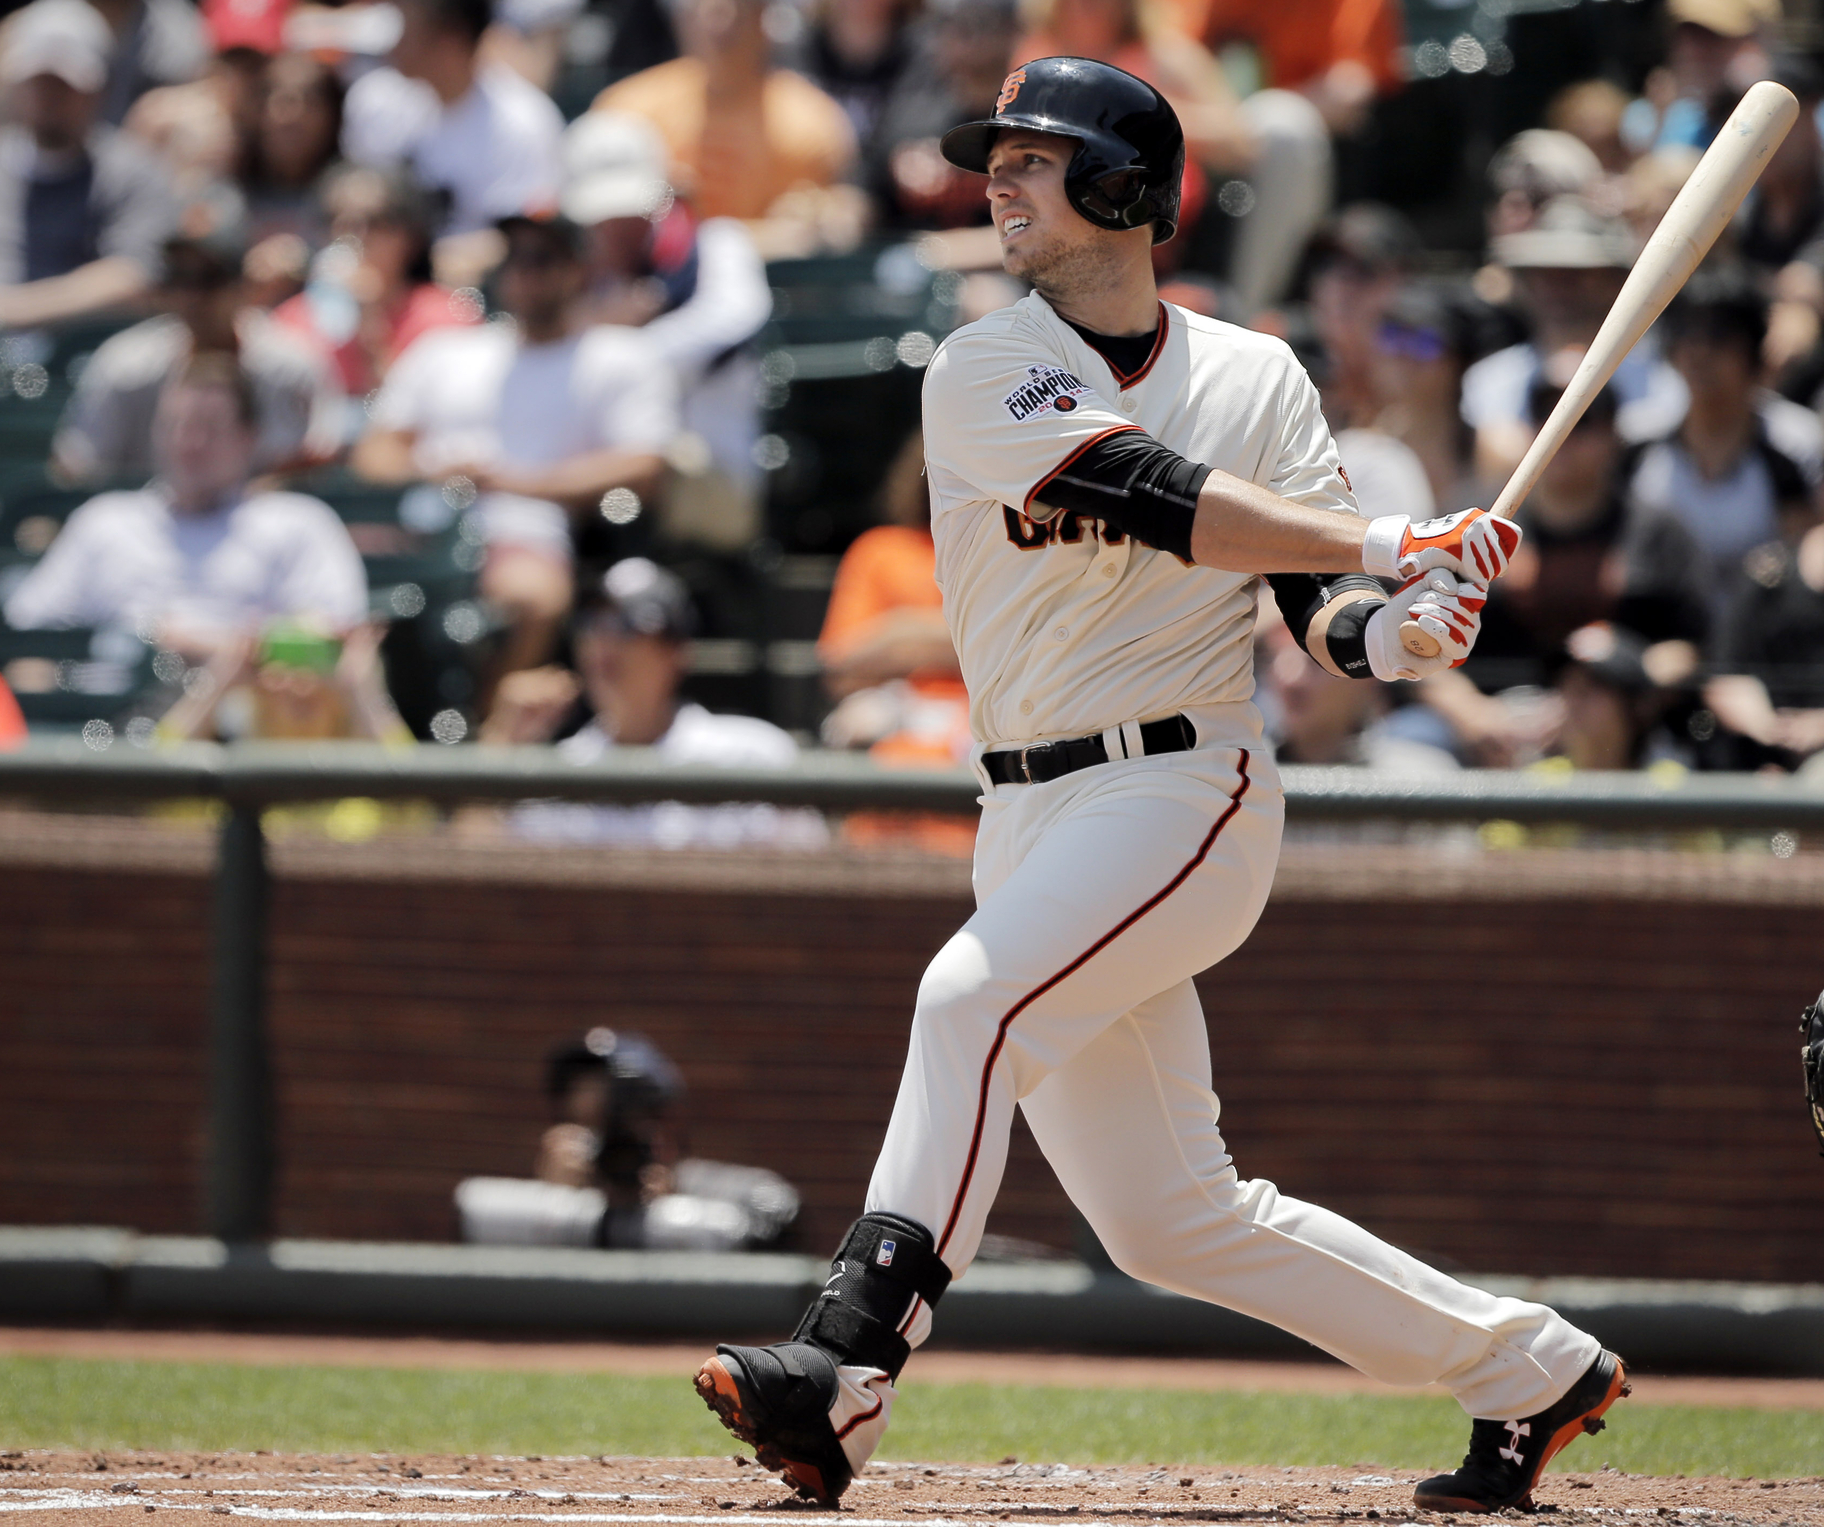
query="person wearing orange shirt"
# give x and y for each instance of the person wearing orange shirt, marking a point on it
(746, 140)
(888, 658)
(1277, 138)
(887, 654)
(1321, 65)
(12, 721)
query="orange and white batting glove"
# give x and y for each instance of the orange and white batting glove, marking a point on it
(1471, 544)
(1448, 608)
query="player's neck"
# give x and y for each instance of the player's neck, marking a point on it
(1124, 305)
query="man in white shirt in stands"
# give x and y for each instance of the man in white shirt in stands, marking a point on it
(545, 417)
(194, 561)
(477, 131)
(632, 637)
(698, 291)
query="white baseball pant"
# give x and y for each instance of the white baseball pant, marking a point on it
(1099, 896)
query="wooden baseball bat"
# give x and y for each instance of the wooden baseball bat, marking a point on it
(1697, 215)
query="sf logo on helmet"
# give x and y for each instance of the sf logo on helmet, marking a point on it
(1010, 91)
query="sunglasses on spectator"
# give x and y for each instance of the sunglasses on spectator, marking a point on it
(1411, 344)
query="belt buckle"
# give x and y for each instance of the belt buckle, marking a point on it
(1026, 762)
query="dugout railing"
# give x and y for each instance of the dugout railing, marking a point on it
(248, 778)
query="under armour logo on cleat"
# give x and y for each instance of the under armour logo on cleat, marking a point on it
(884, 1257)
(1518, 1429)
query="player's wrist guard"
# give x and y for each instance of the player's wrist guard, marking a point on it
(1470, 544)
(884, 1265)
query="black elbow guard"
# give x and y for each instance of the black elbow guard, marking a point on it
(1344, 639)
(1129, 481)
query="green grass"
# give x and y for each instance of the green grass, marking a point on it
(53, 1402)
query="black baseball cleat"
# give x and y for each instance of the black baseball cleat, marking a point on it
(1506, 1458)
(778, 1399)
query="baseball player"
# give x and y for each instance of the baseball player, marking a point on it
(1110, 477)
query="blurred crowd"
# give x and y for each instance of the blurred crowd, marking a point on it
(518, 250)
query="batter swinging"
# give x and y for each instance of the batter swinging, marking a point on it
(1110, 477)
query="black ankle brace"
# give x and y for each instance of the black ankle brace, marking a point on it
(882, 1265)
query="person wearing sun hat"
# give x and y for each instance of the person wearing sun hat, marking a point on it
(1567, 268)
(698, 290)
(83, 209)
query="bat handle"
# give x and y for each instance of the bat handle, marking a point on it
(1417, 640)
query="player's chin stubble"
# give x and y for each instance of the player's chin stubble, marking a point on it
(1060, 271)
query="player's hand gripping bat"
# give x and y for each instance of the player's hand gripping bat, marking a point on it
(1697, 215)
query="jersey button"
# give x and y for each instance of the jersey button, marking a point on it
(1128, 405)
(1061, 634)
(1108, 570)
(1025, 707)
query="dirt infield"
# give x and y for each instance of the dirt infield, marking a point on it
(62, 1487)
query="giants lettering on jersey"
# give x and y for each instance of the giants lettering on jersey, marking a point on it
(1030, 535)
(1047, 389)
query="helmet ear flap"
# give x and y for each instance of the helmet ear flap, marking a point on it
(1118, 199)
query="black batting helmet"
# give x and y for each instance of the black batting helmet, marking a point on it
(1129, 164)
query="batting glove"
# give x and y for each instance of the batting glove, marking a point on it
(1448, 608)
(1471, 544)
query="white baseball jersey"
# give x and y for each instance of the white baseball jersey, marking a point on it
(1064, 626)
(1101, 894)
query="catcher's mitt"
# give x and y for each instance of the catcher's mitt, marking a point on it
(1811, 1053)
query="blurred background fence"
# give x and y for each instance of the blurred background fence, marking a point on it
(1589, 1068)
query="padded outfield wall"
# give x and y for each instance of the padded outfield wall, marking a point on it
(1530, 1062)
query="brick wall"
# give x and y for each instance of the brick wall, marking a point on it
(1596, 1074)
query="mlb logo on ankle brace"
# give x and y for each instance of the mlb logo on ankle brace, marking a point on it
(884, 1257)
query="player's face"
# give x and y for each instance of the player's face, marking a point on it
(1039, 228)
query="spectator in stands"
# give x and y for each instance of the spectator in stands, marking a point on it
(1717, 47)
(544, 416)
(1121, 33)
(156, 42)
(745, 139)
(477, 132)
(1767, 662)
(1321, 63)
(1359, 259)
(887, 654)
(1612, 706)
(295, 144)
(856, 52)
(1780, 231)
(1591, 111)
(964, 50)
(85, 208)
(198, 558)
(632, 636)
(1591, 554)
(699, 291)
(107, 430)
(204, 129)
(12, 721)
(1568, 267)
(1316, 718)
(1743, 458)
(371, 293)
(1426, 341)
(1530, 171)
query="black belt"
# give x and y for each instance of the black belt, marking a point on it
(1045, 761)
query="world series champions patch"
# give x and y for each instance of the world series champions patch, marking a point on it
(1046, 389)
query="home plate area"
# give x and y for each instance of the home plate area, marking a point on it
(52, 1487)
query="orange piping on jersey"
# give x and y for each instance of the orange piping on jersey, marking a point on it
(1119, 429)
(1147, 365)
